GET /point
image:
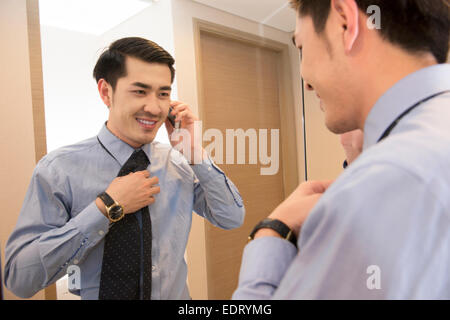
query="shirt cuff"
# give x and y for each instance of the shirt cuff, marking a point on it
(207, 171)
(92, 223)
(204, 170)
(265, 261)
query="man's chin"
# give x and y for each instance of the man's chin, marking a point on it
(336, 127)
(141, 140)
(148, 140)
(148, 136)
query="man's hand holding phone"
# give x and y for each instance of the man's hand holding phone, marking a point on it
(171, 119)
(181, 116)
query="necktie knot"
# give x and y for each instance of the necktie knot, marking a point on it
(138, 161)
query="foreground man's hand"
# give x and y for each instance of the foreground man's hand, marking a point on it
(296, 208)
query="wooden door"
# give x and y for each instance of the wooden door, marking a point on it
(241, 86)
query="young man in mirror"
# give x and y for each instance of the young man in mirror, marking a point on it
(119, 205)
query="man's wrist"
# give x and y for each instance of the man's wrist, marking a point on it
(266, 232)
(101, 206)
(274, 228)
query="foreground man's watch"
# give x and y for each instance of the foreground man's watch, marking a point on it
(281, 228)
(114, 210)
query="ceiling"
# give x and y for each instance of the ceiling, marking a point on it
(89, 16)
(98, 16)
(274, 13)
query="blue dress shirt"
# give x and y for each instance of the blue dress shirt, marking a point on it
(382, 230)
(60, 225)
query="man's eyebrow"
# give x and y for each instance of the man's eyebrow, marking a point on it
(141, 85)
(146, 86)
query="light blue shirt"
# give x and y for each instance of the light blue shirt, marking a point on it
(60, 225)
(382, 230)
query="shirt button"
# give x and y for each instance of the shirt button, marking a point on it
(209, 168)
(75, 261)
(153, 268)
(101, 232)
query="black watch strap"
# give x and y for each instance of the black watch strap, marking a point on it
(283, 230)
(106, 198)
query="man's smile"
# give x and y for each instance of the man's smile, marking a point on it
(146, 123)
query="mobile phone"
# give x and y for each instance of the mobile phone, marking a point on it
(171, 117)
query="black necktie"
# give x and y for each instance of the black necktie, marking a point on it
(124, 257)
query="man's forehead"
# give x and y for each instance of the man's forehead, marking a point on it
(138, 64)
(144, 72)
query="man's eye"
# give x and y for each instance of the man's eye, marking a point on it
(139, 92)
(164, 94)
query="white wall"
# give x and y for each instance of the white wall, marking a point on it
(73, 109)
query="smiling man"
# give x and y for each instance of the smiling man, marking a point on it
(119, 205)
(382, 229)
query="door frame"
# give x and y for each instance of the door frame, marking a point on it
(196, 249)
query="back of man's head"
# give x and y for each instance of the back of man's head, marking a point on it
(417, 26)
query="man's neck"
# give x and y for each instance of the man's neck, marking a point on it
(385, 69)
(118, 136)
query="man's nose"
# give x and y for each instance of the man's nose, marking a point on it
(152, 105)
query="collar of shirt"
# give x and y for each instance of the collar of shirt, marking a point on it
(118, 148)
(404, 94)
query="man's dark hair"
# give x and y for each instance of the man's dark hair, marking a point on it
(415, 25)
(111, 64)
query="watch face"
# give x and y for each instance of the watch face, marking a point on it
(115, 212)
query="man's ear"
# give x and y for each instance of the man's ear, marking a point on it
(348, 16)
(106, 92)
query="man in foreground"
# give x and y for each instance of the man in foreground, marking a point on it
(382, 229)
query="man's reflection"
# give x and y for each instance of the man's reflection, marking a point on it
(77, 211)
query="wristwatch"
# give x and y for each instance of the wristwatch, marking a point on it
(114, 210)
(281, 228)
